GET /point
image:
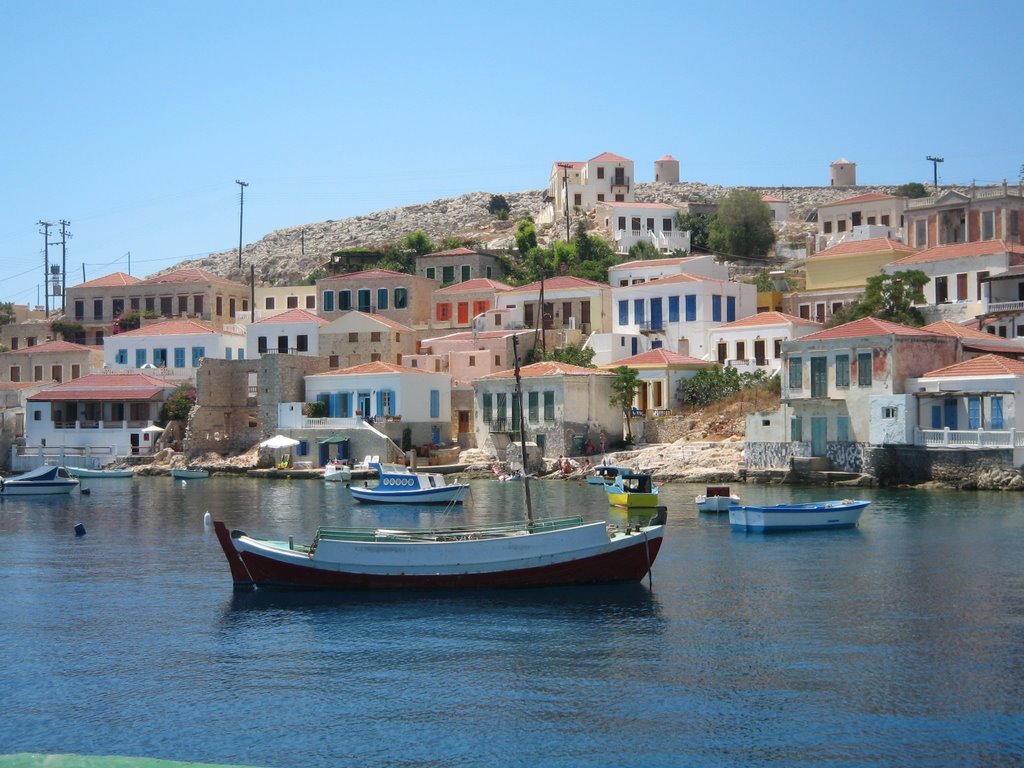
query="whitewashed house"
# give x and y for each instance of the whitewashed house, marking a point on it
(677, 312)
(645, 270)
(95, 418)
(580, 186)
(175, 346)
(569, 303)
(866, 216)
(972, 404)
(292, 332)
(654, 223)
(755, 342)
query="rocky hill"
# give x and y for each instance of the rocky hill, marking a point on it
(281, 258)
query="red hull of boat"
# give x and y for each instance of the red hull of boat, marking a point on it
(628, 564)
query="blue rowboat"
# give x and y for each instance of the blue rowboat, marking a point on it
(797, 517)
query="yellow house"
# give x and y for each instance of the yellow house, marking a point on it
(838, 275)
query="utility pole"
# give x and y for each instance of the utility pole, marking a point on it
(64, 236)
(45, 232)
(935, 169)
(565, 186)
(241, 206)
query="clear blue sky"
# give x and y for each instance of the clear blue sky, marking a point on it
(134, 119)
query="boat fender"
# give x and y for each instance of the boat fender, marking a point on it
(79, 530)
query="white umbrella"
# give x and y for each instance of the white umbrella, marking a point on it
(279, 441)
(153, 428)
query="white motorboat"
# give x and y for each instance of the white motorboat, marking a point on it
(47, 480)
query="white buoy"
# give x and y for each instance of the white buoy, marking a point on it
(207, 520)
(184, 482)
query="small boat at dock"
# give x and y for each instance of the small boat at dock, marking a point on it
(189, 474)
(48, 480)
(716, 498)
(603, 474)
(634, 490)
(398, 485)
(86, 472)
(797, 517)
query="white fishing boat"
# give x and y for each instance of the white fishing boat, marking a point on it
(337, 473)
(396, 484)
(557, 552)
(47, 480)
(716, 498)
(86, 472)
(603, 474)
(796, 517)
(189, 474)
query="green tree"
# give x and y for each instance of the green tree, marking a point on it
(6, 312)
(498, 206)
(593, 256)
(743, 227)
(419, 243)
(317, 274)
(129, 321)
(572, 354)
(398, 260)
(526, 236)
(699, 226)
(709, 385)
(624, 389)
(889, 297)
(179, 404)
(911, 189)
(642, 250)
(69, 330)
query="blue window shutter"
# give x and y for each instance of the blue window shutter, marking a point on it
(716, 308)
(673, 309)
(380, 403)
(435, 404)
(334, 405)
(346, 405)
(730, 308)
(973, 412)
(691, 308)
(638, 310)
(328, 301)
(997, 412)
(140, 358)
(623, 312)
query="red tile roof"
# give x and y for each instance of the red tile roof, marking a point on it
(548, 368)
(962, 250)
(378, 366)
(608, 157)
(294, 316)
(664, 157)
(866, 198)
(180, 276)
(986, 365)
(871, 245)
(866, 326)
(107, 386)
(682, 277)
(947, 328)
(470, 336)
(54, 346)
(109, 281)
(766, 318)
(367, 274)
(771, 199)
(175, 327)
(476, 284)
(559, 283)
(659, 358)
(452, 252)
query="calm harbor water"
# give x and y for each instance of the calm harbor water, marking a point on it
(897, 643)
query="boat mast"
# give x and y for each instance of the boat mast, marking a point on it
(522, 429)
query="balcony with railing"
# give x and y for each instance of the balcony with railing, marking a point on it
(1003, 306)
(969, 438)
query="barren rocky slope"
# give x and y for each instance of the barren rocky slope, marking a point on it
(281, 258)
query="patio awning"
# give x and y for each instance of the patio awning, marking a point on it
(335, 439)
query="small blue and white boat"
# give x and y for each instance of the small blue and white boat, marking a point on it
(46, 480)
(397, 485)
(797, 517)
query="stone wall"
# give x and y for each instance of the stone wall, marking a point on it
(967, 469)
(224, 419)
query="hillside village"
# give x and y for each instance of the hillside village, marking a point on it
(314, 339)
